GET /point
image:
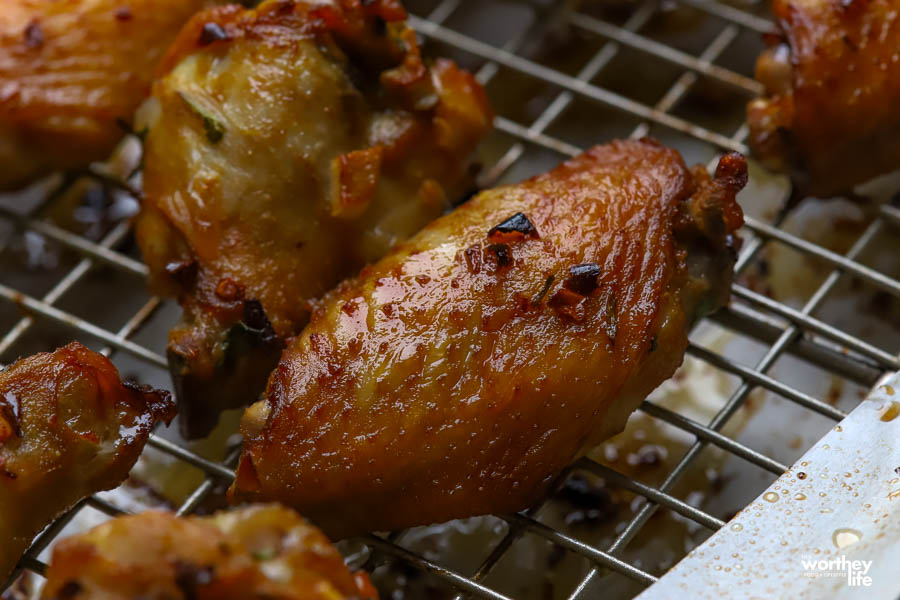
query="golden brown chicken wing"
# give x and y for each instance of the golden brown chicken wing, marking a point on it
(288, 146)
(458, 375)
(831, 115)
(68, 428)
(69, 69)
(261, 552)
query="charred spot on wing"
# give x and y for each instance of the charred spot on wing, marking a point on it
(212, 32)
(516, 227)
(183, 272)
(123, 13)
(257, 322)
(503, 254)
(34, 35)
(379, 25)
(733, 166)
(582, 278)
(70, 589)
(189, 578)
(158, 402)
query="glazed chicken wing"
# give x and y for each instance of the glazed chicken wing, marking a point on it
(288, 146)
(257, 552)
(458, 375)
(831, 115)
(69, 70)
(68, 428)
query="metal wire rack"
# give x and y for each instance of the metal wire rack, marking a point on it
(507, 62)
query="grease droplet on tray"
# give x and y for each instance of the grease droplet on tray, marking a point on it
(770, 497)
(845, 537)
(891, 413)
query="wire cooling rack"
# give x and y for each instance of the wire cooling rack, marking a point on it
(681, 72)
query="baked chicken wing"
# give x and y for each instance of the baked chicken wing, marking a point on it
(831, 114)
(288, 146)
(68, 428)
(258, 552)
(70, 72)
(458, 375)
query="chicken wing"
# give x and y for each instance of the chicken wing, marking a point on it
(288, 146)
(68, 428)
(458, 375)
(831, 115)
(257, 552)
(70, 72)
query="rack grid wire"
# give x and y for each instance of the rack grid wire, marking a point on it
(608, 32)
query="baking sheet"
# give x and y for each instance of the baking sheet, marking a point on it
(828, 528)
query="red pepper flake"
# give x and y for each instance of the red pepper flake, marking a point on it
(34, 35)
(583, 278)
(355, 175)
(473, 259)
(228, 290)
(212, 32)
(516, 227)
(91, 437)
(568, 303)
(503, 254)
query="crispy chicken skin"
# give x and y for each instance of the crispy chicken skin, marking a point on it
(263, 552)
(68, 70)
(294, 145)
(68, 428)
(458, 375)
(831, 114)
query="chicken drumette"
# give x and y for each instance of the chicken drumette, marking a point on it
(257, 552)
(287, 147)
(458, 375)
(68, 428)
(831, 114)
(72, 73)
